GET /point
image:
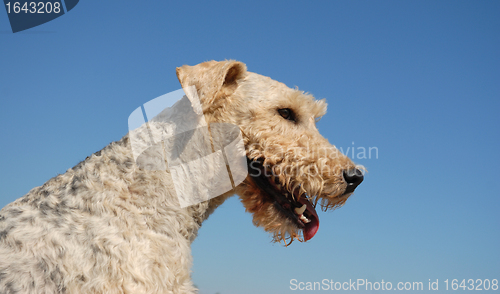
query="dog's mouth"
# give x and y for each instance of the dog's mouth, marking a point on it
(292, 205)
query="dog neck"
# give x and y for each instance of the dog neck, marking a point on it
(123, 188)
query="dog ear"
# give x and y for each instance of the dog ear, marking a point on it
(213, 80)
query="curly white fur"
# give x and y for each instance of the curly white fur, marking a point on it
(108, 226)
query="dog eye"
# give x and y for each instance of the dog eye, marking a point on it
(287, 113)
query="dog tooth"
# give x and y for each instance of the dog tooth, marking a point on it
(304, 219)
(300, 211)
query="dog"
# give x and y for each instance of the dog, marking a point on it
(109, 225)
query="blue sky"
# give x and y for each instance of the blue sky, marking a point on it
(418, 80)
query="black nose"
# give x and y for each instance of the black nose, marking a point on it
(353, 178)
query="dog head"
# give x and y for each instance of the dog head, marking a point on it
(292, 168)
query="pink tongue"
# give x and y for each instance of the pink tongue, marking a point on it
(312, 227)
